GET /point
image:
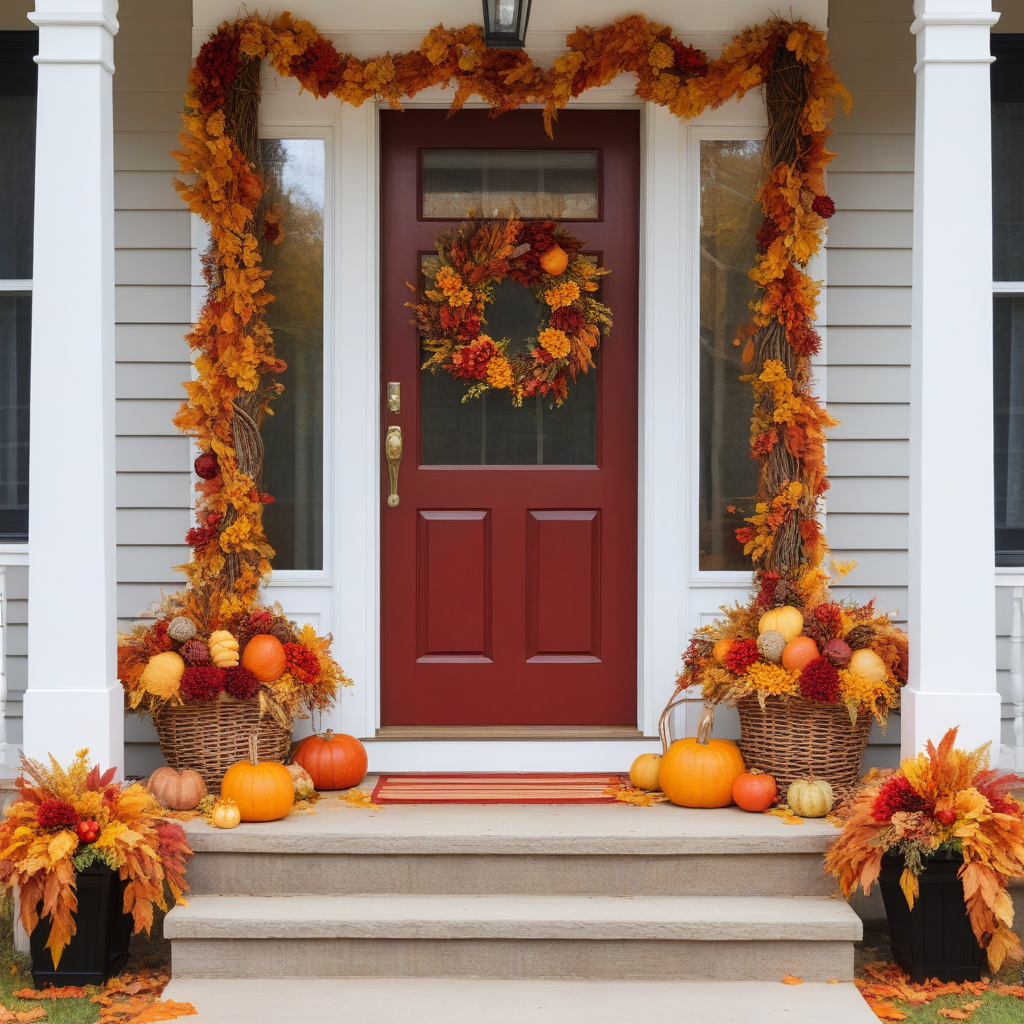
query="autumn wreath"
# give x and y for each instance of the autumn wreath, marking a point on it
(548, 260)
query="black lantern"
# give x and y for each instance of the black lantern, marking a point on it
(505, 23)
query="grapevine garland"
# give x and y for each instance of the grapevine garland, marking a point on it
(480, 254)
(236, 367)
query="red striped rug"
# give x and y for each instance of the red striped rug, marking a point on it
(495, 788)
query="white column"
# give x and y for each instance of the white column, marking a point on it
(73, 698)
(952, 597)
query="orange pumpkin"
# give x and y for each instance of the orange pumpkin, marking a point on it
(177, 791)
(798, 653)
(721, 649)
(754, 791)
(700, 772)
(263, 790)
(554, 261)
(334, 760)
(264, 657)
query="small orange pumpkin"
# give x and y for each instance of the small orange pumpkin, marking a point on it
(645, 772)
(798, 653)
(698, 771)
(264, 657)
(754, 791)
(334, 760)
(263, 790)
(721, 649)
(554, 261)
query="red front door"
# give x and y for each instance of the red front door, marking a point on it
(509, 566)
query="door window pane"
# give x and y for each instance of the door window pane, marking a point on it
(18, 151)
(1008, 340)
(489, 430)
(730, 175)
(1007, 158)
(293, 436)
(557, 184)
(15, 325)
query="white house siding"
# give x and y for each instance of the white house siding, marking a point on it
(869, 283)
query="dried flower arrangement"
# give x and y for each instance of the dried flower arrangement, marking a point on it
(945, 801)
(540, 256)
(66, 820)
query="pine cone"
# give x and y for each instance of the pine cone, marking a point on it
(860, 637)
(181, 629)
(786, 593)
(257, 623)
(195, 652)
(820, 632)
(282, 631)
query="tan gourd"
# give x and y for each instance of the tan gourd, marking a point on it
(301, 781)
(645, 772)
(810, 798)
(225, 813)
(223, 649)
(177, 791)
(162, 674)
(787, 620)
(868, 664)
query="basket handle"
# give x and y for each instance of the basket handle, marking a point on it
(704, 723)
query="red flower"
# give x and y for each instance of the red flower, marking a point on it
(302, 663)
(804, 339)
(470, 361)
(819, 681)
(319, 67)
(766, 234)
(569, 320)
(745, 534)
(202, 682)
(690, 62)
(55, 814)
(741, 656)
(469, 327)
(767, 583)
(896, 794)
(240, 683)
(823, 206)
(206, 466)
(271, 231)
(216, 67)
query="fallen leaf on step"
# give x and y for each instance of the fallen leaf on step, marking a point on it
(360, 798)
(791, 979)
(787, 816)
(834, 981)
(627, 794)
(886, 1011)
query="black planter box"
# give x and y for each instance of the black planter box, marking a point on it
(99, 947)
(935, 939)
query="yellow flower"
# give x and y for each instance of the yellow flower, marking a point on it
(555, 342)
(562, 295)
(499, 373)
(772, 679)
(447, 280)
(463, 297)
(661, 56)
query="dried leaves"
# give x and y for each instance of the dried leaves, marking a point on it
(627, 794)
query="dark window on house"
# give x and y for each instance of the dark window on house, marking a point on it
(17, 185)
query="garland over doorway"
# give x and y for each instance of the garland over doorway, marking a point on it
(236, 367)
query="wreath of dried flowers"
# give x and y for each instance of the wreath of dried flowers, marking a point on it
(947, 801)
(474, 258)
(237, 369)
(66, 820)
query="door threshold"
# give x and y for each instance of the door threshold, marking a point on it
(508, 732)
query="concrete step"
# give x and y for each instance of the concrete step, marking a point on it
(671, 937)
(470, 1001)
(603, 850)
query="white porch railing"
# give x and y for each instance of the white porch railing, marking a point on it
(1012, 755)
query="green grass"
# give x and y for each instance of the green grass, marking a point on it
(994, 1009)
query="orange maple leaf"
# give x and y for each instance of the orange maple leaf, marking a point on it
(791, 979)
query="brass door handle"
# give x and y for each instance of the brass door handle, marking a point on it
(393, 453)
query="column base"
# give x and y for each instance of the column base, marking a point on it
(62, 722)
(927, 715)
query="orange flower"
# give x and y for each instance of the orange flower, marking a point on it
(554, 342)
(562, 295)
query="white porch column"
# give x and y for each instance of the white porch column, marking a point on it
(952, 597)
(73, 698)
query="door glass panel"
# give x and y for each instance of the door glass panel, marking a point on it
(294, 435)
(559, 184)
(489, 430)
(730, 175)
(15, 355)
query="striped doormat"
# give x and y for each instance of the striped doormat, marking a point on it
(496, 788)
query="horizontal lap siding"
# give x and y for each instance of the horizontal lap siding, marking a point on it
(152, 312)
(869, 302)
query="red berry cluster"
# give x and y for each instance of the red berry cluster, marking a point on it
(88, 830)
(202, 682)
(240, 683)
(302, 663)
(741, 656)
(217, 66)
(819, 681)
(823, 206)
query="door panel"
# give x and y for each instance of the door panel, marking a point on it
(509, 566)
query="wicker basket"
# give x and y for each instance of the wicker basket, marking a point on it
(794, 738)
(209, 737)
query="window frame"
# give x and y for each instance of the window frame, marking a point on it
(325, 133)
(18, 286)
